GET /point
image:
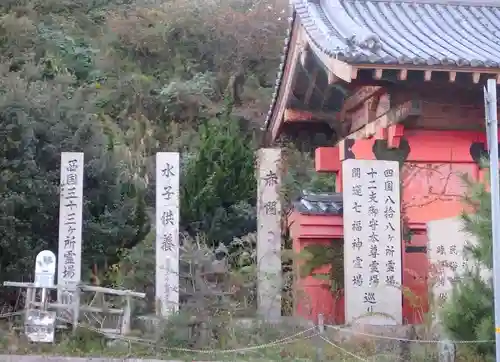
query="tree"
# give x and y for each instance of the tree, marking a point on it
(39, 120)
(468, 314)
(218, 189)
(121, 80)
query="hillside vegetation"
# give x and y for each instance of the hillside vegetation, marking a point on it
(121, 80)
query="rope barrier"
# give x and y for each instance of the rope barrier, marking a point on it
(279, 342)
(423, 341)
(342, 349)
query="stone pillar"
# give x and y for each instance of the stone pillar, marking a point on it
(447, 257)
(372, 242)
(269, 233)
(167, 232)
(69, 256)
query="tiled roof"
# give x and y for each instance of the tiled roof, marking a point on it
(421, 32)
(279, 76)
(319, 204)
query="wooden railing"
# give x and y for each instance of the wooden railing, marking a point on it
(79, 305)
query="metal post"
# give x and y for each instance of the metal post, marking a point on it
(321, 329)
(492, 132)
(43, 299)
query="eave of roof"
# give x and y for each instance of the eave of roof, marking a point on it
(319, 204)
(400, 32)
(281, 71)
(460, 34)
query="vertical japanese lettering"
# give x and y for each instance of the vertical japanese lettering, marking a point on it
(448, 257)
(269, 232)
(167, 231)
(391, 228)
(369, 300)
(70, 222)
(372, 234)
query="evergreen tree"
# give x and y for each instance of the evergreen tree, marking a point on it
(468, 314)
(218, 190)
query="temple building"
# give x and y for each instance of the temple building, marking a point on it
(388, 80)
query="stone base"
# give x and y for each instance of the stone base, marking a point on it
(383, 340)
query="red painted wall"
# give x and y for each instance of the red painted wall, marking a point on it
(415, 271)
(312, 295)
(432, 190)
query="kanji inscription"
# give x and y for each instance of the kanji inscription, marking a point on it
(167, 231)
(269, 233)
(372, 234)
(70, 222)
(448, 256)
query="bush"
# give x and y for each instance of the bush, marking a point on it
(468, 315)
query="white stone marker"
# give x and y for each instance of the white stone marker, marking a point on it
(45, 269)
(70, 223)
(447, 257)
(39, 326)
(372, 242)
(45, 272)
(167, 231)
(269, 233)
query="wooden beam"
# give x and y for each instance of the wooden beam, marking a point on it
(299, 115)
(476, 76)
(326, 94)
(303, 58)
(332, 78)
(428, 75)
(371, 109)
(306, 57)
(403, 70)
(327, 159)
(360, 96)
(394, 134)
(395, 115)
(296, 45)
(372, 104)
(339, 68)
(354, 73)
(310, 87)
(403, 74)
(434, 68)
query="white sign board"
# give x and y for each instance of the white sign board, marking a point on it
(269, 233)
(167, 231)
(40, 326)
(70, 222)
(447, 256)
(45, 269)
(372, 242)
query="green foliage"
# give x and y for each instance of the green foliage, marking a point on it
(121, 80)
(468, 315)
(219, 185)
(478, 223)
(38, 120)
(317, 256)
(300, 175)
(75, 55)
